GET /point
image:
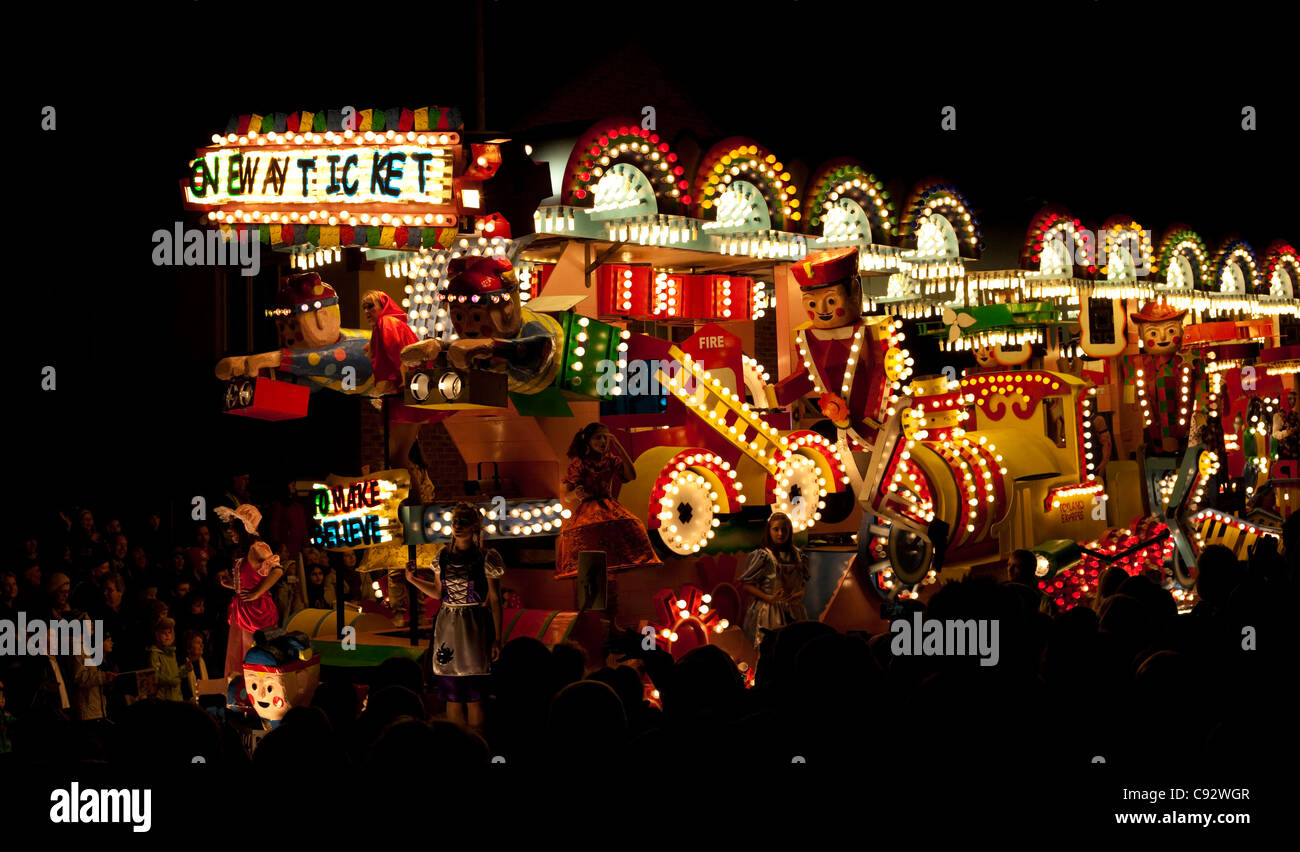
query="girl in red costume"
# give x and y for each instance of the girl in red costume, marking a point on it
(390, 332)
(599, 521)
(251, 609)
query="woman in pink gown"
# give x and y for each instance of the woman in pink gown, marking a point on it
(251, 609)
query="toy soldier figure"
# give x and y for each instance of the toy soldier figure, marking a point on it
(835, 340)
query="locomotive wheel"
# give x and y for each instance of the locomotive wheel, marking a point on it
(901, 560)
(910, 555)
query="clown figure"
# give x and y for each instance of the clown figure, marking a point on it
(1165, 377)
(281, 671)
(493, 328)
(315, 350)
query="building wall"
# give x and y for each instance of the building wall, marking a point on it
(446, 466)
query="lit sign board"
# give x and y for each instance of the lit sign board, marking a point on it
(330, 176)
(350, 514)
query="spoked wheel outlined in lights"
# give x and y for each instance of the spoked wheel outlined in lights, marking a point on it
(896, 560)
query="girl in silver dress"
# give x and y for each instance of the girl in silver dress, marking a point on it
(467, 631)
(775, 579)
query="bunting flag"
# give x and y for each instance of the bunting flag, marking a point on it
(400, 119)
(344, 236)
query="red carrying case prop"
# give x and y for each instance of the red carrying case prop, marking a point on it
(266, 399)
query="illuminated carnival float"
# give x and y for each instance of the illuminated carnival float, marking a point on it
(763, 343)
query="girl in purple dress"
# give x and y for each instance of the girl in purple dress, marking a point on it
(467, 630)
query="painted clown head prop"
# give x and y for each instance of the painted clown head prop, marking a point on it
(306, 312)
(1160, 329)
(830, 290)
(483, 298)
(281, 671)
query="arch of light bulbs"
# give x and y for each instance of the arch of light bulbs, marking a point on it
(1235, 270)
(850, 181)
(748, 162)
(1185, 246)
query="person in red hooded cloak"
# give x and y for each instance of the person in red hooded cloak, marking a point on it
(390, 333)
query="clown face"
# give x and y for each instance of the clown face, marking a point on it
(833, 306)
(985, 357)
(274, 692)
(310, 329)
(1161, 338)
(487, 319)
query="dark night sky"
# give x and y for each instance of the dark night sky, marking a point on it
(1122, 112)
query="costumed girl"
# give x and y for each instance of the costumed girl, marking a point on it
(467, 631)
(390, 333)
(775, 579)
(600, 522)
(251, 609)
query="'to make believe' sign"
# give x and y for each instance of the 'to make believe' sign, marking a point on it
(351, 514)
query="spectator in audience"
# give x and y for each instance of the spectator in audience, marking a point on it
(1022, 578)
(91, 678)
(7, 723)
(8, 596)
(319, 590)
(144, 570)
(237, 493)
(338, 701)
(87, 594)
(177, 566)
(31, 588)
(568, 665)
(120, 624)
(194, 647)
(118, 551)
(153, 538)
(10, 605)
(54, 690)
(162, 658)
(192, 614)
(58, 589)
(87, 544)
(202, 551)
(1217, 574)
(587, 725)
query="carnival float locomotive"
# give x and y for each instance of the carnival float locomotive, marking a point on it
(1082, 406)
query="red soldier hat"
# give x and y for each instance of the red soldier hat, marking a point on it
(472, 275)
(303, 293)
(824, 268)
(1157, 312)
